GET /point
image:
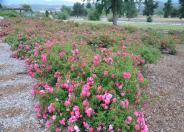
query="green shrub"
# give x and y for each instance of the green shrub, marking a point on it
(63, 15)
(102, 41)
(149, 19)
(12, 39)
(150, 54)
(130, 29)
(152, 38)
(94, 15)
(147, 52)
(168, 45)
(8, 13)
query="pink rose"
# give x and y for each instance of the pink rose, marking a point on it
(44, 57)
(51, 108)
(97, 60)
(62, 122)
(124, 104)
(126, 75)
(128, 120)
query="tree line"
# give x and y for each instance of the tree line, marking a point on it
(116, 8)
(128, 8)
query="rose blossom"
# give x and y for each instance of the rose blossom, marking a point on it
(126, 75)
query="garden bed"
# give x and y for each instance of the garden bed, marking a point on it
(90, 77)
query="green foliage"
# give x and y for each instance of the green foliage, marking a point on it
(159, 41)
(181, 10)
(1, 6)
(175, 12)
(130, 9)
(66, 9)
(130, 29)
(147, 52)
(89, 5)
(26, 7)
(102, 41)
(93, 15)
(8, 13)
(150, 5)
(153, 38)
(169, 45)
(168, 8)
(111, 6)
(149, 19)
(150, 54)
(12, 39)
(79, 10)
(47, 13)
(62, 15)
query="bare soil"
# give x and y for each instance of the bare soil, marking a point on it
(166, 94)
(16, 102)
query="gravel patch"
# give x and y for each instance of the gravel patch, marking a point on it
(166, 94)
(16, 102)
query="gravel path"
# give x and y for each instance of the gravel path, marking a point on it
(16, 102)
(166, 110)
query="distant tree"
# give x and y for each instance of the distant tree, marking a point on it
(175, 12)
(94, 15)
(139, 3)
(1, 6)
(47, 13)
(88, 5)
(66, 9)
(181, 10)
(150, 6)
(130, 9)
(79, 10)
(168, 8)
(110, 6)
(27, 8)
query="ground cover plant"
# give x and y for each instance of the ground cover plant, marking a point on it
(89, 76)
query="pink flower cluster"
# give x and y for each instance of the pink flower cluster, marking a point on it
(44, 57)
(85, 90)
(37, 109)
(68, 85)
(119, 85)
(88, 110)
(87, 126)
(124, 104)
(58, 76)
(109, 60)
(128, 120)
(126, 75)
(61, 54)
(140, 76)
(49, 88)
(74, 115)
(51, 108)
(140, 122)
(97, 59)
(106, 99)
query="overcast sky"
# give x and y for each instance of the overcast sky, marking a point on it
(50, 2)
(54, 2)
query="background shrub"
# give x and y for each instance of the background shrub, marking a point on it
(149, 19)
(93, 15)
(101, 41)
(63, 15)
(8, 13)
(149, 53)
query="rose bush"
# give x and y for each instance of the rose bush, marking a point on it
(81, 89)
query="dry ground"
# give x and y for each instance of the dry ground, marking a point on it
(166, 110)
